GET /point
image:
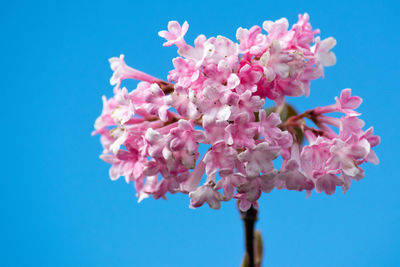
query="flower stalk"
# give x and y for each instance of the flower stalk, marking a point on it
(249, 218)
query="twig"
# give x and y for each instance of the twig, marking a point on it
(249, 219)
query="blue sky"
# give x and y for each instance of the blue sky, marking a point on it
(59, 208)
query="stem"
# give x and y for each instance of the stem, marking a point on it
(167, 87)
(294, 120)
(249, 219)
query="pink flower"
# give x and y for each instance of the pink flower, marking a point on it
(259, 159)
(350, 126)
(155, 103)
(194, 178)
(184, 101)
(199, 52)
(315, 156)
(185, 72)
(124, 111)
(250, 192)
(251, 41)
(276, 30)
(229, 183)
(268, 128)
(221, 157)
(244, 103)
(215, 112)
(224, 52)
(216, 132)
(175, 34)
(276, 62)
(105, 119)
(155, 143)
(205, 193)
(373, 141)
(120, 135)
(124, 163)
(182, 143)
(123, 71)
(249, 76)
(347, 103)
(293, 178)
(303, 32)
(322, 50)
(164, 186)
(345, 154)
(215, 96)
(327, 182)
(242, 131)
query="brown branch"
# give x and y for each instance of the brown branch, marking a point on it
(167, 87)
(249, 219)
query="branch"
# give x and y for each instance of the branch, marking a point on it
(249, 219)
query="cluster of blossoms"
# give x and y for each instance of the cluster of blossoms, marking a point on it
(215, 96)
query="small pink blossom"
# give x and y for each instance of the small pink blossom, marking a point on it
(249, 76)
(268, 127)
(221, 157)
(229, 183)
(303, 32)
(123, 71)
(205, 193)
(105, 119)
(276, 30)
(124, 163)
(276, 62)
(182, 143)
(259, 159)
(251, 41)
(344, 155)
(322, 50)
(215, 132)
(199, 52)
(244, 103)
(327, 182)
(347, 103)
(250, 192)
(175, 34)
(242, 131)
(184, 73)
(184, 101)
(293, 178)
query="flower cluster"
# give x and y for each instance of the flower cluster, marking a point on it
(215, 96)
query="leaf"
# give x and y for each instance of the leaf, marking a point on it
(259, 247)
(245, 261)
(259, 251)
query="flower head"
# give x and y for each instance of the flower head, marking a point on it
(215, 98)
